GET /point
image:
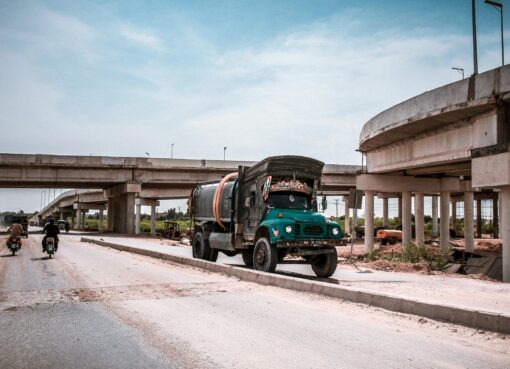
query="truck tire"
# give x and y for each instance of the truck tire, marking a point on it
(248, 257)
(324, 265)
(201, 249)
(265, 256)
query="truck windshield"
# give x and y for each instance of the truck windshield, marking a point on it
(286, 200)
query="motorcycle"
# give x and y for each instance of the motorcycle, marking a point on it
(14, 245)
(50, 246)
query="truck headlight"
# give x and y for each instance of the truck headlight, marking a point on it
(288, 229)
(335, 231)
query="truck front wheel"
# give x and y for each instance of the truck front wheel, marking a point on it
(324, 265)
(265, 256)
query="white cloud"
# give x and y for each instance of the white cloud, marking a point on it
(144, 38)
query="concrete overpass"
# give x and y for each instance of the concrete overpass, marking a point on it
(129, 182)
(450, 142)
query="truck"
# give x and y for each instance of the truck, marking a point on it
(265, 212)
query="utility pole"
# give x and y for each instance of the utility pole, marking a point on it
(475, 51)
(336, 206)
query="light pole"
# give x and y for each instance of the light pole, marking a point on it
(172, 151)
(499, 7)
(475, 49)
(224, 150)
(460, 70)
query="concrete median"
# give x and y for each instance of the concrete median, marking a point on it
(452, 314)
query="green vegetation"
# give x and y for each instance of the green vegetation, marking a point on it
(413, 253)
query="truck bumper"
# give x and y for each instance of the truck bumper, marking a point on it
(307, 243)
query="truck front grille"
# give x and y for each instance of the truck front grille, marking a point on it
(312, 230)
(297, 229)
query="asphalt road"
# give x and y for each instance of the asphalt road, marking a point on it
(94, 307)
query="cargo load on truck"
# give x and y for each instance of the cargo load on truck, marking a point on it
(266, 212)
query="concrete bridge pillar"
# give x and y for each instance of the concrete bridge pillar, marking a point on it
(110, 213)
(83, 216)
(419, 218)
(435, 222)
(78, 219)
(385, 212)
(479, 218)
(505, 231)
(369, 221)
(347, 215)
(153, 219)
(138, 215)
(406, 218)
(124, 205)
(73, 214)
(100, 224)
(354, 222)
(468, 221)
(61, 215)
(445, 224)
(454, 216)
(399, 206)
(495, 218)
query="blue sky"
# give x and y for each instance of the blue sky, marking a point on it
(263, 78)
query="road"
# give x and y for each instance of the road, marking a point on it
(94, 307)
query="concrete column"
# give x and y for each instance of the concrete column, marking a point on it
(78, 219)
(110, 213)
(369, 221)
(137, 218)
(495, 219)
(468, 221)
(435, 231)
(61, 215)
(153, 219)
(505, 231)
(72, 219)
(83, 216)
(385, 211)
(454, 216)
(347, 215)
(406, 218)
(479, 218)
(124, 205)
(399, 206)
(501, 220)
(100, 224)
(419, 218)
(354, 222)
(445, 224)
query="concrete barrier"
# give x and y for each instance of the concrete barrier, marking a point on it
(452, 314)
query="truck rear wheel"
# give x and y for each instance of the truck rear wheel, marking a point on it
(248, 257)
(324, 265)
(201, 249)
(265, 256)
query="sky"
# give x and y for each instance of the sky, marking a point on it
(263, 78)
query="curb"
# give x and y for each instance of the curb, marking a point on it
(470, 318)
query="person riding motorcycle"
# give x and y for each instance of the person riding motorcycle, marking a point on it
(16, 231)
(51, 230)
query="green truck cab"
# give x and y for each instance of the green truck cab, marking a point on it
(266, 212)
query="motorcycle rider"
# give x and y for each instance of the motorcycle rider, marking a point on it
(51, 230)
(16, 232)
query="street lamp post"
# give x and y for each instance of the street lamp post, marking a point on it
(460, 70)
(499, 7)
(172, 151)
(224, 150)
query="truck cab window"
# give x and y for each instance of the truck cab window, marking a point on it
(286, 200)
